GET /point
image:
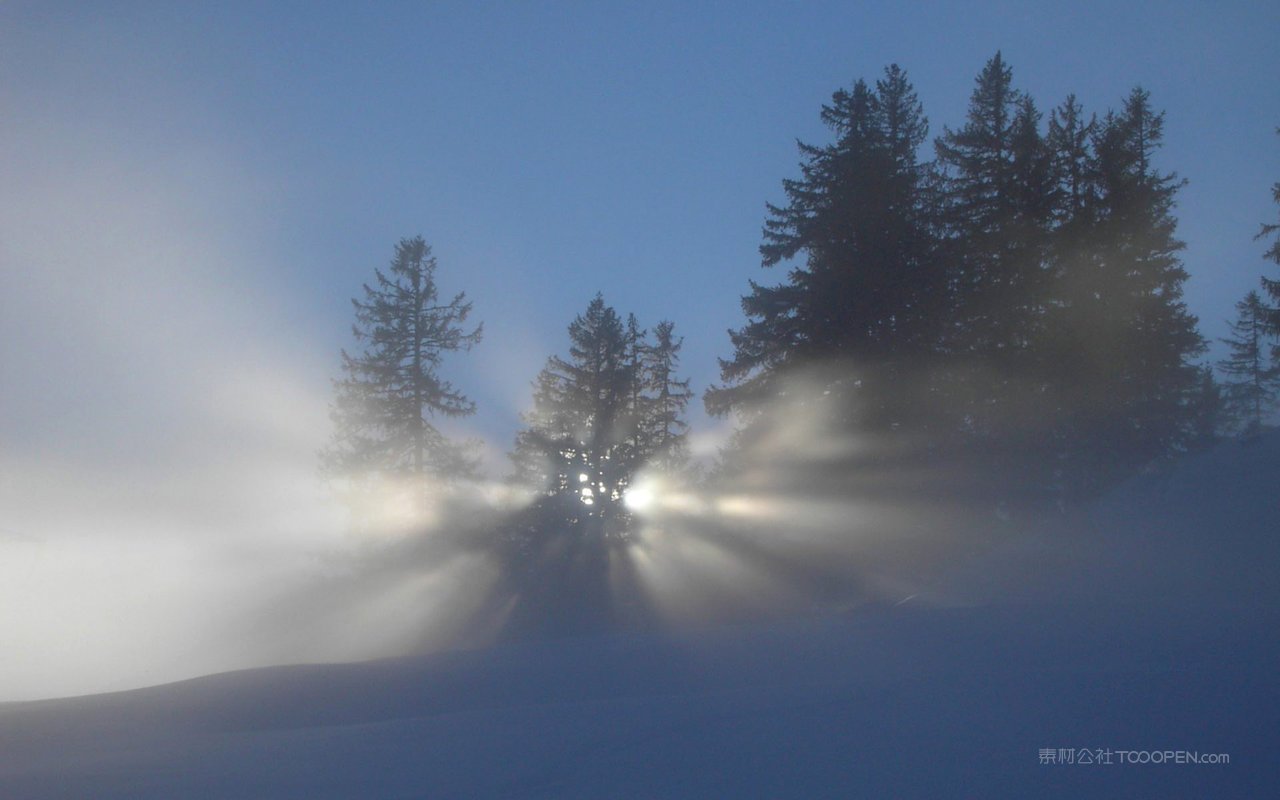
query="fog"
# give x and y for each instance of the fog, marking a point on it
(161, 511)
(165, 359)
(159, 426)
(163, 515)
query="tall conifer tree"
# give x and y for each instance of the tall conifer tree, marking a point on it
(1152, 375)
(666, 396)
(581, 434)
(1253, 383)
(1272, 285)
(391, 388)
(861, 301)
(998, 209)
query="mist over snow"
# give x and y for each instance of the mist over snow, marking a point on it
(1144, 626)
(163, 410)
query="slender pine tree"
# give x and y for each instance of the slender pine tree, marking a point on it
(998, 209)
(1253, 383)
(391, 387)
(666, 396)
(1272, 285)
(1081, 334)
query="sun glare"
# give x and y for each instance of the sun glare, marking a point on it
(639, 498)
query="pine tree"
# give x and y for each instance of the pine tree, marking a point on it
(1125, 385)
(1139, 281)
(998, 208)
(666, 396)
(1254, 384)
(613, 407)
(861, 304)
(1081, 335)
(581, 434)
(1272, 285)
(997, 205)
(1071, 156)
(638, 404)
(978, 164)
(391, 387)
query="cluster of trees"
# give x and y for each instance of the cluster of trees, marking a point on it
(1014, 302)
(1017, 298)
(613, 406)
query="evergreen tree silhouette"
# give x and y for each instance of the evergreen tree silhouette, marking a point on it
(1081, 337)
(1150, 376)
(613, 407)
(1272, 285)
(1253, 385)
(391, 387)
(580, 438)
(1017, 303)
(997, 207)
(666, 396)
(868, 293)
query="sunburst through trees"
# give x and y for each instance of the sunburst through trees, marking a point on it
(613, 406)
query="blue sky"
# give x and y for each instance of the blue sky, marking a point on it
(550, 150)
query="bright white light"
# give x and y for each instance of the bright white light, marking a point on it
(583, 477)
(639, 498)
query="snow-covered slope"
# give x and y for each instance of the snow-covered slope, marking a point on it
(1202, 531)
(1148, 625)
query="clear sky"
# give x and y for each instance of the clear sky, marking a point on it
(191, 193)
